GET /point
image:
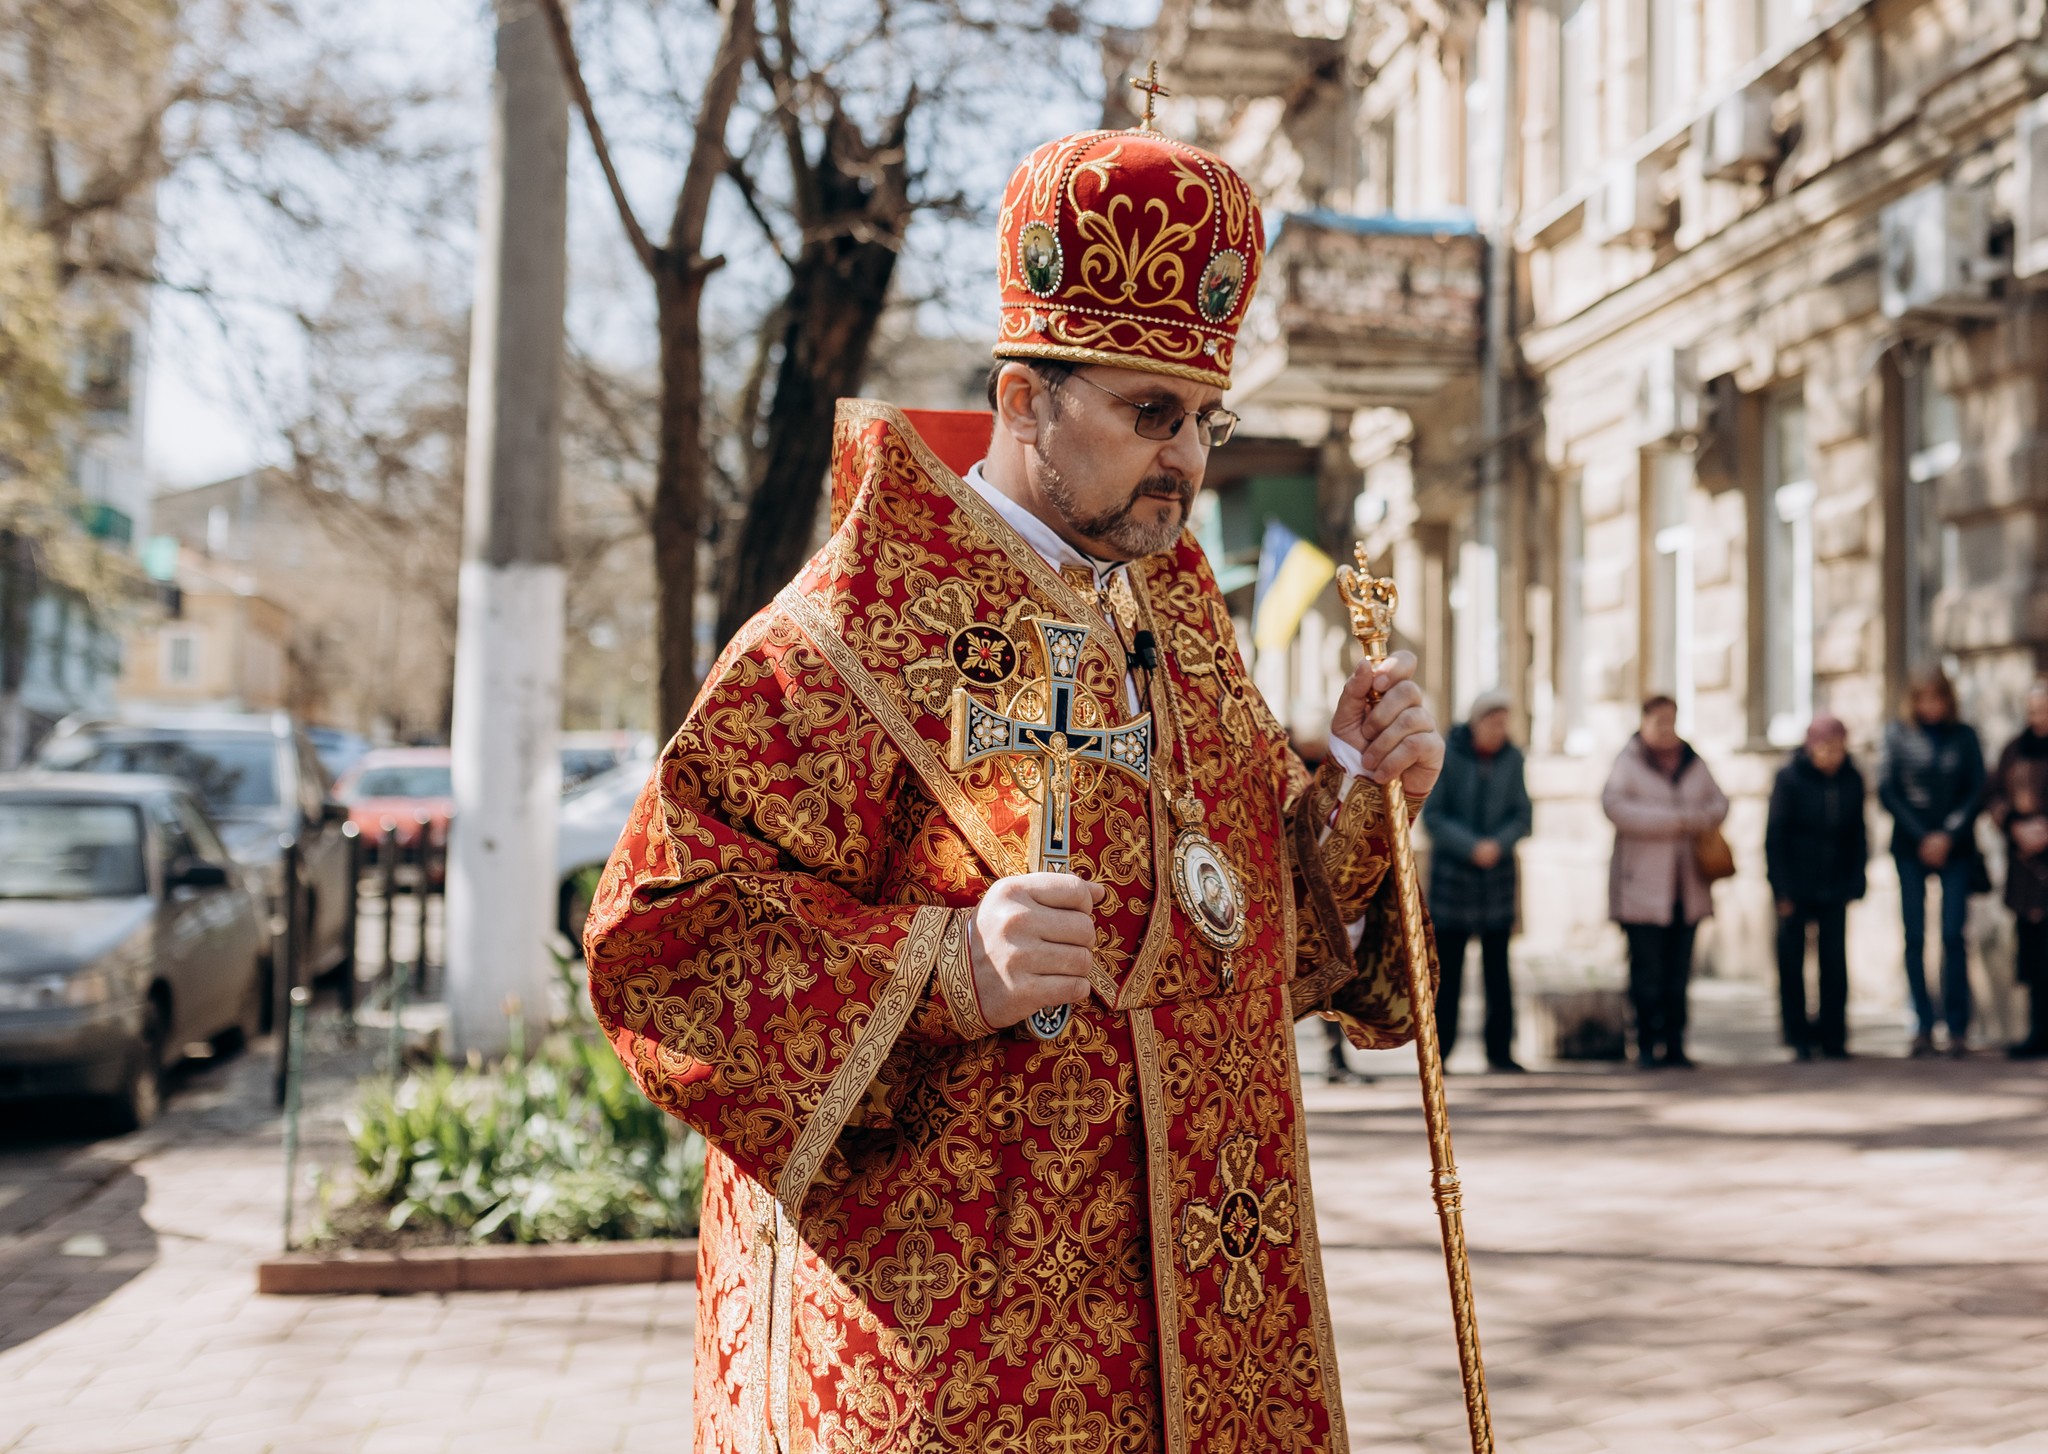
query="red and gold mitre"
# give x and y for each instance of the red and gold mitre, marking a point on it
(1128, 248)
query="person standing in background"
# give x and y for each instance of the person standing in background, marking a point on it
(1660, 798)
(1815, 846)
(1932, 784)
(2018, 804)
(1477, 814)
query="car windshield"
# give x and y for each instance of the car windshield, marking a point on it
(580, 764)
(403, 780)
(74, 850)
(231, 772)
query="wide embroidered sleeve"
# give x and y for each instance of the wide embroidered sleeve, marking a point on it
(1350, 959)
(738, 961)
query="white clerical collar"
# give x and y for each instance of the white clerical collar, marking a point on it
(1040, 536)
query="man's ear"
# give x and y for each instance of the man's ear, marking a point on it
(1021, 403)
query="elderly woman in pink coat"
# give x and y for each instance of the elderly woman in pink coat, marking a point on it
(1660, 798)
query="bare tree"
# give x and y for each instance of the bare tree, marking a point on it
(378, 454)
(851, 203)
(678, 268)
(826, 168)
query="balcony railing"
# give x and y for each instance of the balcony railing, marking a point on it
(1359, 312)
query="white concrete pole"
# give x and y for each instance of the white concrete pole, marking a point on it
(508, 650)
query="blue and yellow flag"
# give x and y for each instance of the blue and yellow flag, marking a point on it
(1292, 573)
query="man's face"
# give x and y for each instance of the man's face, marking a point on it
(1121, 496)
(2037, 708)
(1828, 754)
(1490, 733)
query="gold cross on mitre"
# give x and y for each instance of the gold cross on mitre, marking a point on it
(1059, 742)
(1153, 91)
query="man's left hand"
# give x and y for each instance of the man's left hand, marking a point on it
(1381, 713)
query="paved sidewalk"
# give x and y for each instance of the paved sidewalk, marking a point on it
(1793, 1259)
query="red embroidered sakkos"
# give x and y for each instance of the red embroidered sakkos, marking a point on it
(920, 1235)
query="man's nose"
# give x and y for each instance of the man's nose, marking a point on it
(1185, 455)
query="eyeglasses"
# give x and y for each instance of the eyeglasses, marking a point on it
(1163, 421)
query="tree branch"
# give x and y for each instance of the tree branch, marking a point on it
(707, 148)
(804, 199)
(738, 172)
(572, 72)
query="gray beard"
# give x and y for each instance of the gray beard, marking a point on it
(1118, 526)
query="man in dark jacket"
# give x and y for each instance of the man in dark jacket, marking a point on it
(1476, 815)
(1815, 846)
(1932, 783)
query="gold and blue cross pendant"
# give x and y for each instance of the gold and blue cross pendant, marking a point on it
(1058, 742)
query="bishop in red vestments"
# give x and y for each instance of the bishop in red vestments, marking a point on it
(970, 913)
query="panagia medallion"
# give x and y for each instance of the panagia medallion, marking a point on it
(1208, 889)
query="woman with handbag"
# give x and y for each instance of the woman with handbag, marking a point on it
(1933, 786)
(1667, 812)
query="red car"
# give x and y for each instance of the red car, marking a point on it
(399, 784)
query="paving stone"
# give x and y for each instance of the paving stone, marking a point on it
(1779, 1259)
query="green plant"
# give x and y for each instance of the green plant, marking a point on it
(557, 1146)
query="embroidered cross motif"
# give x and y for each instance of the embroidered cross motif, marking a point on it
(1237, 1226)
(916, 1276)
(1070, 1103)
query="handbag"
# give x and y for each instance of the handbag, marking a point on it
(1711, 851)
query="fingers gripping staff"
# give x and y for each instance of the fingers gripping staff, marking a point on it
(1056, 741)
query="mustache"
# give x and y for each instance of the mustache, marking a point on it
(1163, 487)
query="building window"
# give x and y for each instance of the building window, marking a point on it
(1786, 510)
(1667, 663)
(1571, 621)
(1934, 443)
(181, 658)
(1578, 89)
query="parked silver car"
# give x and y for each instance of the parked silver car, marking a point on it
(258, 777)
(127, 934)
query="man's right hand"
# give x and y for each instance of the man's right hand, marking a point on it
(1485, 853)
(1934, 850)
(1033, 943)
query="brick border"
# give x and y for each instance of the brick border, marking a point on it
(478, 1269)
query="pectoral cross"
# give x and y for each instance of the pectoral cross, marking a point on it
(1058, 743)
(1153, 91)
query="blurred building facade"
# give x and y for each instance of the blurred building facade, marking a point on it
(1682, 346)
(213, 645)
(274, 598)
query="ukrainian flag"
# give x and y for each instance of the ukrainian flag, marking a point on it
(1292, 573)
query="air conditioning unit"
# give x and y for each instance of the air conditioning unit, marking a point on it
(1739, 144)
(1935, 253)
(1625, 208)
(1668, 402)
(2030, 192)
